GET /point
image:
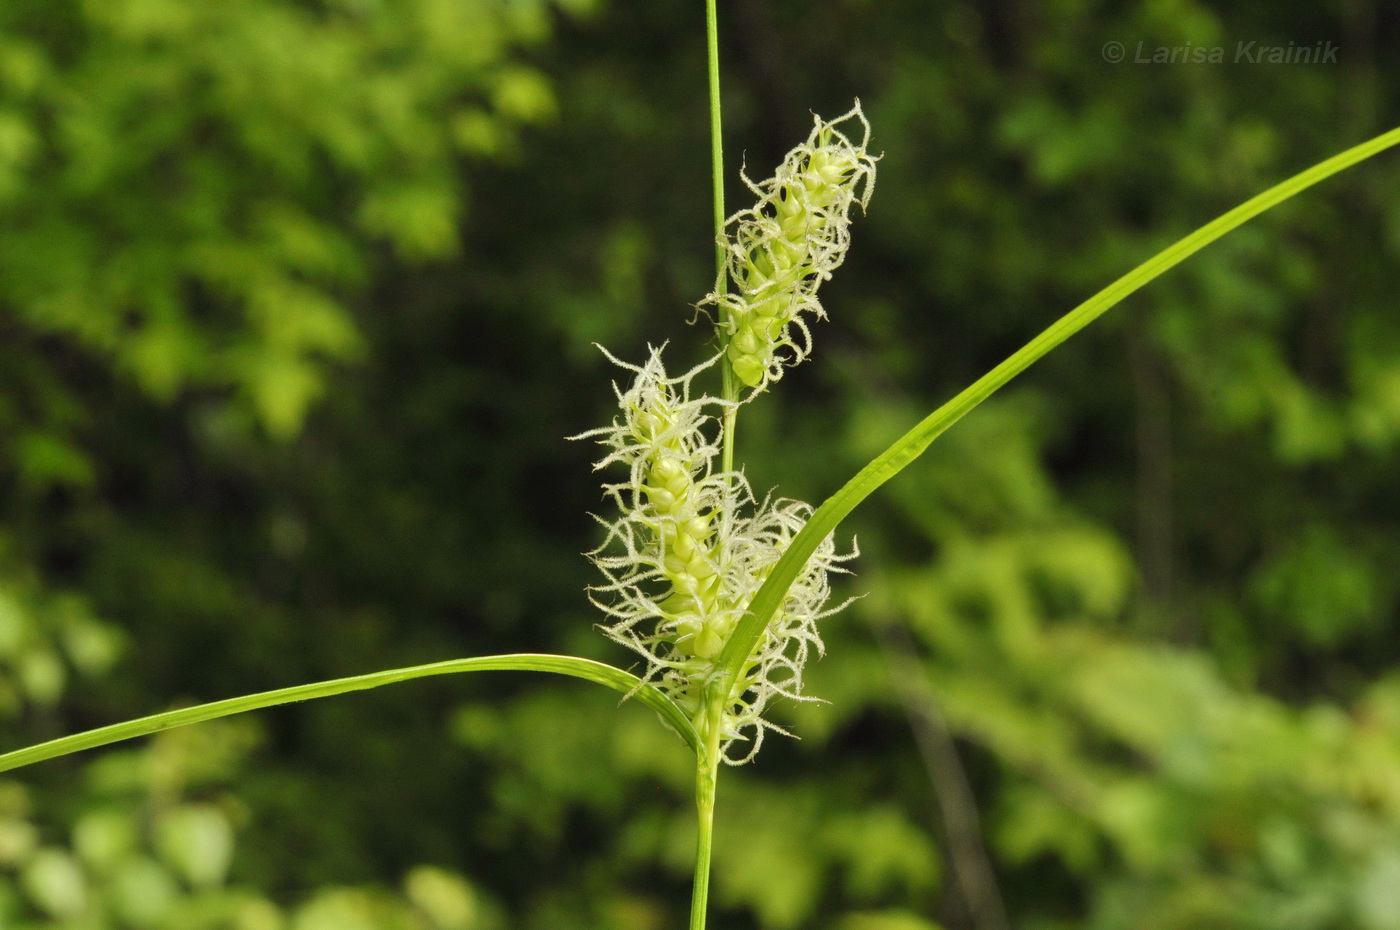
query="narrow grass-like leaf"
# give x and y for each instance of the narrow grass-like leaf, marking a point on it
(572, 666)
(913, 443)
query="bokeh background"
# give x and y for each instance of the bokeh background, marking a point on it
(297, 305)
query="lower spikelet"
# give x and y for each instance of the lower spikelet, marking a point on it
(690, 548)
(775, 667)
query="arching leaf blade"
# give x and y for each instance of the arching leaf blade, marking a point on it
(572, 666)
(913, 443)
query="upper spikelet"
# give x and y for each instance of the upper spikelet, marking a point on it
(780, 250)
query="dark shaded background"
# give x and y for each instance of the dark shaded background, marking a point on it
(296, 306)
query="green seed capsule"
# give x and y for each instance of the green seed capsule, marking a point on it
(665, 471)
(663, 500)
(698, 528)
(699, 567)
(749, 370)
(679, 602)
(706, 588)
(684, 547)
(650, 425)
(769, 308)
(689, 623)
(745, 342)
(707, 643)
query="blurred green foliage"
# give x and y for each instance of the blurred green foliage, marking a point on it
(297, 300)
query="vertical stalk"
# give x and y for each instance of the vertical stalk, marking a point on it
(706, 774)
(711, 717)
(730, 386)
(716, 138)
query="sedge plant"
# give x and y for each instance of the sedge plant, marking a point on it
(722, 593)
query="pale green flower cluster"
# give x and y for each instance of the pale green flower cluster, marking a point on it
(691, 546)
(672, 506)
(690, 549)
(783, 248)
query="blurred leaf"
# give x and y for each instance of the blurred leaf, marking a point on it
(198, 841)
(56, 883)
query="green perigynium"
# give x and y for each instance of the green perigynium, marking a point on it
(780, 250)
(692, 545)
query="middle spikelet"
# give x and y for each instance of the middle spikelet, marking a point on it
(675, 514)
(780, 250)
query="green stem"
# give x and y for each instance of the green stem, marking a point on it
(716, 136)
(706, 777)
(711, 716)
(730, 385)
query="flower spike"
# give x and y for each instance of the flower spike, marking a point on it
(689, 550)
(781, 249)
